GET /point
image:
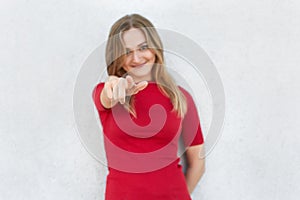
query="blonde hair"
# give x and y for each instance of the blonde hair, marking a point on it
(115, 52)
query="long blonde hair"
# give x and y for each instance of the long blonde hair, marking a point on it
(115, 52)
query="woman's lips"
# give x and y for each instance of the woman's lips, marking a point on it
(140, 65)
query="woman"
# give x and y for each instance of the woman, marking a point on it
(143, 113)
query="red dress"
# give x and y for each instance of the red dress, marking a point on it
(142, 152)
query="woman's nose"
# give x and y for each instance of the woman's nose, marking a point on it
(136, 56)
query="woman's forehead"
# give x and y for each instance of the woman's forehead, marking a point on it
(133, 38)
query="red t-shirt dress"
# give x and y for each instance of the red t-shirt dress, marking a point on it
(142, 151)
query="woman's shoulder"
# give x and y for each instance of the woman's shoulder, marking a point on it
(97, 89)
(98, 86)
(185, 91)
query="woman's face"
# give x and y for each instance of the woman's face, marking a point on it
(139, 59)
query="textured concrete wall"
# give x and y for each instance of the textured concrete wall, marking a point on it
(254, 45)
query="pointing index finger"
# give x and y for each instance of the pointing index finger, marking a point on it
(130, 82)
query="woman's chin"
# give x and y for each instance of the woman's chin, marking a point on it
(142, 72)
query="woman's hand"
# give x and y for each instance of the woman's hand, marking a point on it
(117, 88)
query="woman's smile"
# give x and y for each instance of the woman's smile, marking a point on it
(138, 65)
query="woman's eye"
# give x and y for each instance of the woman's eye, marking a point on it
(127, 52)
(144, 47)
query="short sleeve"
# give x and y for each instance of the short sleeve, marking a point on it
(96, 97)
(191, 128)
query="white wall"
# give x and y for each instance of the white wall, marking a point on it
(254, 45)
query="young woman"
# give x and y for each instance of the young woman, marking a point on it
(143, 114)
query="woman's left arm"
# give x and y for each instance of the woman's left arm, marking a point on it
(195, 166)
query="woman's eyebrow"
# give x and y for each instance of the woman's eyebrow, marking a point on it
(139, 44)
(142, 43)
